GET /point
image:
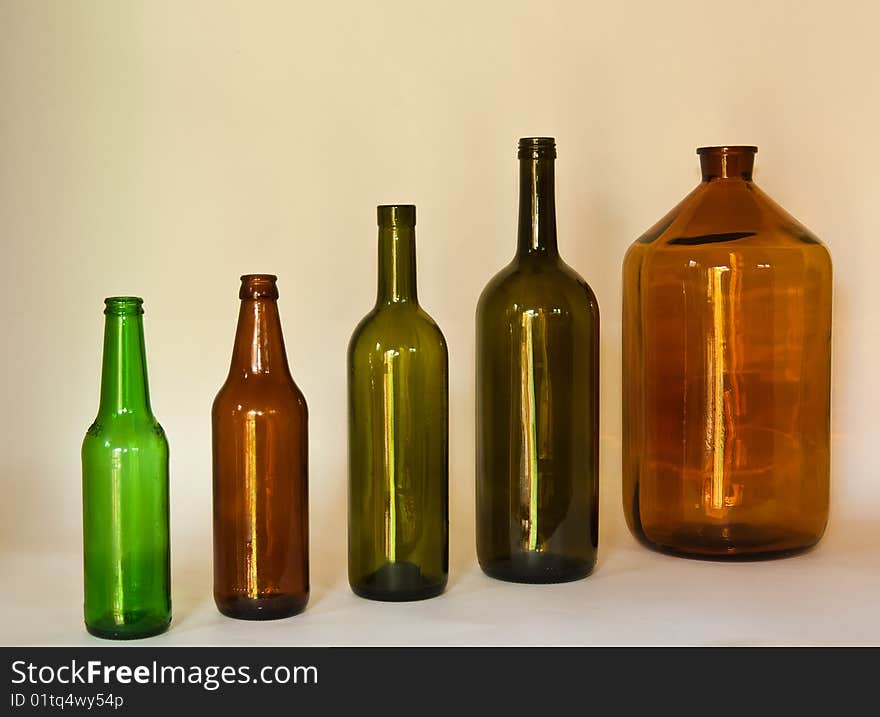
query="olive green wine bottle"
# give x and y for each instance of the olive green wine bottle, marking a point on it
(537, 384)
(398, 504)
(125, 491)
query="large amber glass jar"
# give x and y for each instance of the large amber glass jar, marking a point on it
(726, 373)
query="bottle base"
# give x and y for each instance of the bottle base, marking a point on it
(728, 543)
(538, 568)
(136, 629)
(272, 607)
(398, 582)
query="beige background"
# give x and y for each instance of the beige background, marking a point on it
(164, 148)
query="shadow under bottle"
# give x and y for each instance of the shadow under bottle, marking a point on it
(260, 457)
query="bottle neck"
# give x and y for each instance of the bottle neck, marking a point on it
(259, 343)
(537, 207)
(124, 387)
(397, 264)
(727, 162)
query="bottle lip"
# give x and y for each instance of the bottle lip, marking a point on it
(119, 305)
(727, 162)
(536, 148)
(258, 286)
(728, 149)
(396, 215)
(259, 277)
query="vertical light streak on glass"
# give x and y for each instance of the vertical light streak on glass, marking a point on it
(527, 397)
(536, 208)
(250, 492)
(259, 341)
(736, 357)
(116, 537)
(395, 263)
(388, 405)
(121, 392)
(716, 370)
(544, 399)
(735, 406)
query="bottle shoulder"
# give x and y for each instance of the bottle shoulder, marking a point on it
(542, 284)
(124, 429)
(255, 392)
(396, 326)
(728, 214)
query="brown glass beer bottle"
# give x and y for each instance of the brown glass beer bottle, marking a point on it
(260, 453)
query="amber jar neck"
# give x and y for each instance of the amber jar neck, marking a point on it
(259, 343)
(537, 197)
(727, 162)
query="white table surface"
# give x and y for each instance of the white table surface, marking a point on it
(827, 596)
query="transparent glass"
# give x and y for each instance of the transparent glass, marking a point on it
(398, 507)
(726, 373)
(260, 448)
(126, 548)
(537, 346)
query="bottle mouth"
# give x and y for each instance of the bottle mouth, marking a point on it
(258, 286)
(728, 149)
(536, 148)
(396, 215)
(120, 305)
(727, 162)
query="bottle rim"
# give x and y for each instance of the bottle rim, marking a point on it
(727, 149)
(259, 277)
(123, 305)
(536, 148)
(396, 215)
(258, 286)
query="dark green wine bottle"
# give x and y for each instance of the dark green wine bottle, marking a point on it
(125, 491)
(537, 355)
(398, 500)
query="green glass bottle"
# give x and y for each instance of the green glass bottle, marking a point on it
(398, 501)
(537, 383)
(125, 491)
